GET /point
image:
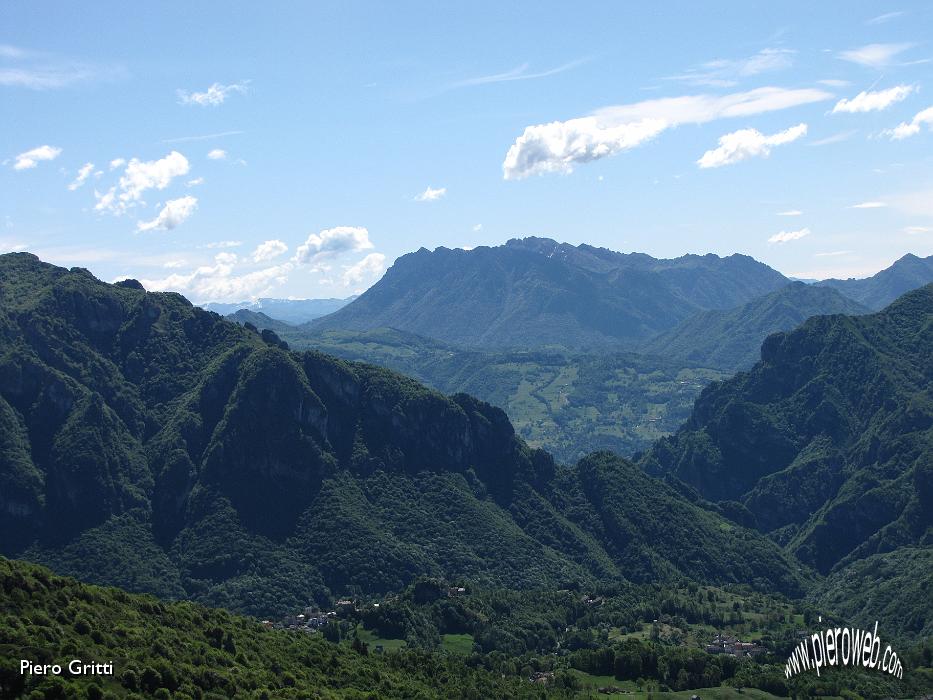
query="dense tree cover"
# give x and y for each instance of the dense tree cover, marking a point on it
(535, 292)
(732, 339)
(647, 634)
(877, 291)
(182, 650)
(827, 444)
(157, 446)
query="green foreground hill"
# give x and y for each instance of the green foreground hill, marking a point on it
(156, 446)
(183, 650)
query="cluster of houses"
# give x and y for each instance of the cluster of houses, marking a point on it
(312, 619)
(723, 644)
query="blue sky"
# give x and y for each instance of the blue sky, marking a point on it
(229, 151)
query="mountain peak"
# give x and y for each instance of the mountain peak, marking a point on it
(534, 292)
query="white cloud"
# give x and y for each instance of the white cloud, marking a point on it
(727, 72)
(431, 194)
(868, 205)
(117, 163)
(140, 176)
(173, 214)
(32, 158)
(105, 201)
(911, 128)
(874, 55)
(366, 269)
(834, 82)
(558, 146)
(914, 230)
(873, 101)
(173, 264)
(217, 154)
(268, 250)
(748, 143)
(832, 254)
(218, 282)
(215, 95)
(331, 242)
(477, 227)
(83, 174)
(790, 212)
(787, 236)
(195, 182)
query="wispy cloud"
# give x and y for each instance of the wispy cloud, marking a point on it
(31, 158)
(202, 137)
(875, 55)
(728, 72)
(886, 17)
(915, 203)
(518, 73)
(788, 236)
(37, 70)
(222, 244)
(832, 254)
(869, 205)
(748, 143)
(790, 212)
(215, 95)
(876, 101)
(217, 154)
(838, 137)
(431, 194)
(559, 146)
(915, 230)
(834, 82)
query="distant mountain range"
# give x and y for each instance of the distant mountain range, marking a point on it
(731, 339)
(877, 291)
(535, 292)
(293, 311)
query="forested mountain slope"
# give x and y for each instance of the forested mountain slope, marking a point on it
(732, 339)
(828, 440)
(153, 445)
